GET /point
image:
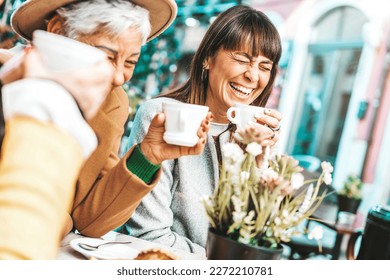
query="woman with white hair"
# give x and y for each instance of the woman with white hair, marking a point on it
(118, 27)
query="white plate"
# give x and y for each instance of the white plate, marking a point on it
(107, 252)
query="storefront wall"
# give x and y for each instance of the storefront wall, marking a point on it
(347, 102)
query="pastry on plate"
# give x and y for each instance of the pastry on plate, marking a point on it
(155, 254)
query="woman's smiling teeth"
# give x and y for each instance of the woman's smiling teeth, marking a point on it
(240, 90)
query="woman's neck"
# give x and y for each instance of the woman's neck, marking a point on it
(219, 117)
(219, 113)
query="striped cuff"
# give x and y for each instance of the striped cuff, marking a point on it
(140, 166)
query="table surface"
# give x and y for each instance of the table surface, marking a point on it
(66, 252)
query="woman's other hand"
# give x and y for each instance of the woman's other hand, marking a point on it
(157, 150)
(264, 131)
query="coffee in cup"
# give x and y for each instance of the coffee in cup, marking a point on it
(182, 122)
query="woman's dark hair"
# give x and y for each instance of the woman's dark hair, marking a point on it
(231, 31)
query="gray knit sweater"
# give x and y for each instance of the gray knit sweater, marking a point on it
(172, 213)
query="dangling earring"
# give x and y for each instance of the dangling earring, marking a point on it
(204, 73)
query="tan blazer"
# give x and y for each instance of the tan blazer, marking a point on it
(107, 193)
(38, 171)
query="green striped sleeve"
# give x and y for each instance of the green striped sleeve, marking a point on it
(139, 165)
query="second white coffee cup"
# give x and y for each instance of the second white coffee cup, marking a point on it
(182, 122)
(243, 115)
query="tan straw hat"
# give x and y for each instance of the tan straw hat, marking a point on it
(32, 14)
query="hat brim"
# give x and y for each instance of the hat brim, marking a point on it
(32, 15)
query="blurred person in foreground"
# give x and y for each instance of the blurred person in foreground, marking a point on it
(108, 188)
(236, 62)
(46, 142)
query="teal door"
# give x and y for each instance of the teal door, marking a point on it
(326, 89)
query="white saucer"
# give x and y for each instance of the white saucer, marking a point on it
(108, 252)
(186, 141)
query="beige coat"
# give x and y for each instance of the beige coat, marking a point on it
(107, 193)
(38, 170)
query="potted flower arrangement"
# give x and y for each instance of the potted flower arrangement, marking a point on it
(350, 196)
(253, 210)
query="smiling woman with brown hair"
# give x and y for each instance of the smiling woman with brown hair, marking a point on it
(236, 62)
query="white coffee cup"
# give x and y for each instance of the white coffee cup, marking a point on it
(182, 122)
(243, 115)
(60, 53)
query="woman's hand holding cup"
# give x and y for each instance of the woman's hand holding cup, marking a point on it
(156, 150)
(88, 86)
(255, 124)
(265, 129)
(59, 59)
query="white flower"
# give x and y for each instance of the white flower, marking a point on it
(317, 233)
(327, 178)
(238, 216)
(250, 217)
(297, 180)
(232, 152)
(254, 149)
(269, 175)
(327, 167)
